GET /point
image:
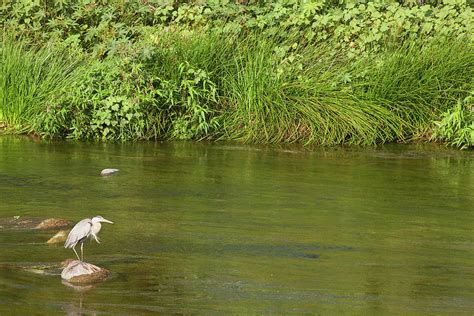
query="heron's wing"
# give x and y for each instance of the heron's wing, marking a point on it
(78, 232)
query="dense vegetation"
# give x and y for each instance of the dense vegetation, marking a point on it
(315, 72)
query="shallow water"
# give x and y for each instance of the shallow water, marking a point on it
(227, 228)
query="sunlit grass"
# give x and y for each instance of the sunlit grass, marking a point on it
(324, 97)
(30, 79)
(418, 81)
(254, 88)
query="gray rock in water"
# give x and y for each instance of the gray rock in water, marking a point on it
(78, 272)
(108, 172)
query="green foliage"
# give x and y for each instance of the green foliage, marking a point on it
(192, 97)
(188, 68)
(310, 95)
(30, 80)
(108, 102)
(318, 71)
(456, 126)
(101, 27)
(139, 94)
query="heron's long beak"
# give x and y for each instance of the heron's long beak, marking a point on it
(107, 221)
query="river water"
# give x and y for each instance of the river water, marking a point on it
(220, 228)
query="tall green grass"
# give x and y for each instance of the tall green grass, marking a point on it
(30, 80)
(300, 99)
(420, 80)
(252, 87)
(321, 96)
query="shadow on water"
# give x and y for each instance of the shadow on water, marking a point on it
(229, 228)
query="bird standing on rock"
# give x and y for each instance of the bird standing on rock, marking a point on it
(83, 230)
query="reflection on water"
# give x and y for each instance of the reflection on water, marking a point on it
(228, 228)
(77, 307)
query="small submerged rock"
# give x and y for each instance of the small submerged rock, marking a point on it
(36, 268)
(78, 272)
(20, 222)
(24, 222)
(43, 269)
(108, 172)
(53, 223)
(60, 237)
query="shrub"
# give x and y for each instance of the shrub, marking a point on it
(456, 126)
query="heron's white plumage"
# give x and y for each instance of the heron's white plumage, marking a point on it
(81, 230)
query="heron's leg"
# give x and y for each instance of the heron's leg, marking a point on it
(74, 248)
(96, 238)
(82, 251)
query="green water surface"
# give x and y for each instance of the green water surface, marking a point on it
(204, 228)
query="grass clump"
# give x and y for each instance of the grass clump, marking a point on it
(313, 95)
(418, 80)
(30, 80)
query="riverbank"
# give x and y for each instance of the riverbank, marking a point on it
(312, 74)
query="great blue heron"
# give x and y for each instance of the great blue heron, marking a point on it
(83, 230)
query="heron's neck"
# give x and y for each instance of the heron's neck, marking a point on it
(96, 228)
